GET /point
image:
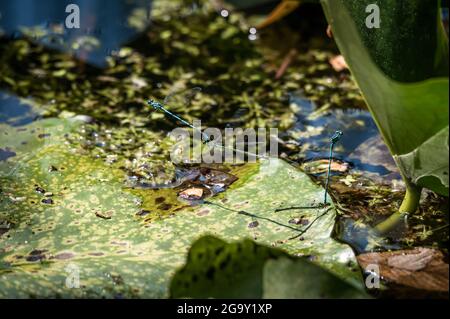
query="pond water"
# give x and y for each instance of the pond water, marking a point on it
(104, 25)
(105, 91)
(15, 111)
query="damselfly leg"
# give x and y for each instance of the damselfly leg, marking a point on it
(333, 140)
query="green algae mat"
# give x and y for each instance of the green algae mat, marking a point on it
(70, 226)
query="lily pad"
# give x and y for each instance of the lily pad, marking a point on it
(286, 278)
(50, 244)
(245, 269)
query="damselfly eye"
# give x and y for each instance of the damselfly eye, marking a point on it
(206, 138)
(336, 136)
(153, 104)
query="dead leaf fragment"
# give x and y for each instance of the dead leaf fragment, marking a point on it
(191, 193)
(419, 268)
(321, 166)
(338, 63)
(329, 31)
(281, 10)
(104, 215)
(412, 262)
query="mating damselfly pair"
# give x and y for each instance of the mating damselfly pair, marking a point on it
(207, 139)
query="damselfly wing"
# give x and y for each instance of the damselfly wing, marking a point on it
(179, 99)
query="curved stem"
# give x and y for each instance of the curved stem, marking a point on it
(409, 205)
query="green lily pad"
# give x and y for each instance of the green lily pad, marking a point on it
(286, 278)
(59, 237)
(245, 269)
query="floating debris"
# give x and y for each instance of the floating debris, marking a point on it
(47, 201)
(253, 224)
(5, 226)
(321, 166)
(338, 63)
(143, 212)
(299, 221)
(40, 190)
(36, 255)
(422, 269)
(52, 168)
(191, 193)
(105, 215)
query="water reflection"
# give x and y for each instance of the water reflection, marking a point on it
(361, 144)
(105, 25)
(15, 111)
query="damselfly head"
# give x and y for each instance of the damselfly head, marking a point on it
(154, 104)
(336, 136)
(205, 138)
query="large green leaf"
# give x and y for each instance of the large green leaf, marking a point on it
(122, 255)
(245, 269)
(399, 69)
(286, 278)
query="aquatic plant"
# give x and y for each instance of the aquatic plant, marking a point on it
(64, 201)
(402, 71)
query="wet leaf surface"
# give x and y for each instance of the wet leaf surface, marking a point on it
(115, 212)
(84, 189)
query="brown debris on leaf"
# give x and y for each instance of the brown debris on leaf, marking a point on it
(104, 215)
(420, 268)
(191, 193)
(204, 182)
